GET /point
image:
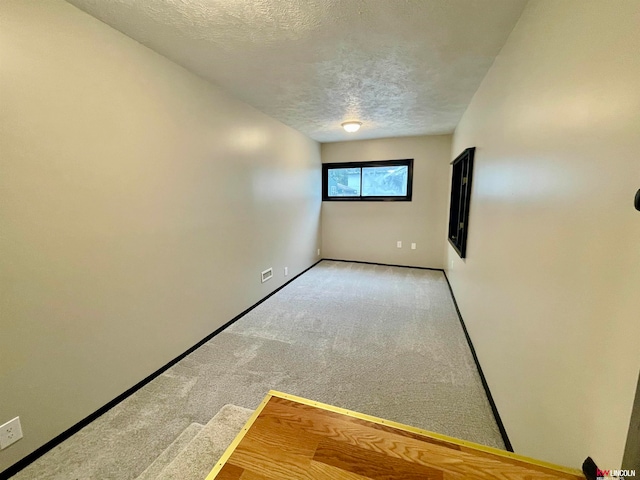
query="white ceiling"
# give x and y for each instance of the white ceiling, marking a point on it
(402, 67)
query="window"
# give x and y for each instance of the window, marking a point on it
(388, 180)
(460, 198)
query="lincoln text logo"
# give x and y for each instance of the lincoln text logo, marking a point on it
(604, 474)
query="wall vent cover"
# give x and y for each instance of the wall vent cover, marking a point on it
(267, 274)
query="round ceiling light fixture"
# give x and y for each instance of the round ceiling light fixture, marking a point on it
(351, 126)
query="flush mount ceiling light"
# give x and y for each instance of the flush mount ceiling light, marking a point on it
(351, 126)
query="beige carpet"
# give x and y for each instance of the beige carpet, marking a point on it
(385, 341)
(171, 452)
(202, 453)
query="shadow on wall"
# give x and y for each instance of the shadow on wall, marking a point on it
(631, 460)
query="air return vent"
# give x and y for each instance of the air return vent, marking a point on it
(267, 274)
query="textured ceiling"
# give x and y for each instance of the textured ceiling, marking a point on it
(402, 67)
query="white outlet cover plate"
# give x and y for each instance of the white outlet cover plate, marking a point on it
(399, 244)
(10, 433)
(413, 246)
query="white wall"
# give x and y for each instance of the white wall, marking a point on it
(549, 291)
(368, 231)
(138, 204)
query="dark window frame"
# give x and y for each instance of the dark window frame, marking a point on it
(406, 162)
(461, 177)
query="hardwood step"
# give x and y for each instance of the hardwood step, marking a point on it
(297, 439)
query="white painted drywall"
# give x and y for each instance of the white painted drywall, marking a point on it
(368, 231)
(139, 205)
(549, 290)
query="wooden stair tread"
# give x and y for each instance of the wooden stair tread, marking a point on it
(297, 439)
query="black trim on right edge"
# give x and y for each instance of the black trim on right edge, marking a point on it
(494, 409)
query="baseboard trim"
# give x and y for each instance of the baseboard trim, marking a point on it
(485, 385)
(492, 403)
(383, 264)
(33, 456)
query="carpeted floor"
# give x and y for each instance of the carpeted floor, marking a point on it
(385, 341)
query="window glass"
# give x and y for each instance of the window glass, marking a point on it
(384, 181)
(344, 182)
(372, 181)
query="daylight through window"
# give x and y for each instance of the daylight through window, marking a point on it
(388, 180)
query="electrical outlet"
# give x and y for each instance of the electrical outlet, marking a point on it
(318, 252)
(413, 246)
(286, 271)
(451, 265)
(399, 244)
(10, 433)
